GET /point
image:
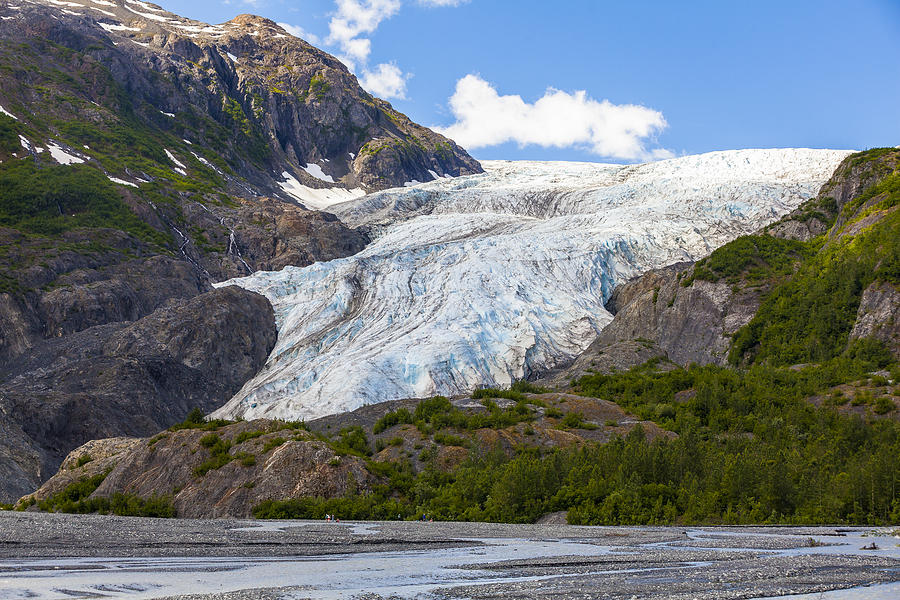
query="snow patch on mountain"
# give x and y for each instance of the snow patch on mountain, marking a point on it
(61, 156)
(317, 172)
(317, 198)
(484, 279)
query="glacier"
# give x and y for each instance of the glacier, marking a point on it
(486, 279)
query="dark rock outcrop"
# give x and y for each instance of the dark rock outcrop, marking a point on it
(275, 234)
(129, 378)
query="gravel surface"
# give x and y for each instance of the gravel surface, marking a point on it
(90, 556)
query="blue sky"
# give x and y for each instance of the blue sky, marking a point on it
(615, 81)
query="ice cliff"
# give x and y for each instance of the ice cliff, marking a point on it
(482, 280)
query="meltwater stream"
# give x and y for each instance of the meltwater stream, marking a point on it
(417, 573)
(405, 574)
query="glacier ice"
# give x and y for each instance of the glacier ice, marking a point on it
(481, 280)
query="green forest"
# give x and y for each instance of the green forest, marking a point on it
(750, 449)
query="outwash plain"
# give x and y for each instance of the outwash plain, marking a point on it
(90, 556)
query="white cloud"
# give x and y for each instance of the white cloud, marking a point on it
(297, 31)
(353, 19)
(385, 81)
(558, 119)
(348, 30)
(442, 2)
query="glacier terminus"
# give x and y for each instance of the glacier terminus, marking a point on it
(485, 279)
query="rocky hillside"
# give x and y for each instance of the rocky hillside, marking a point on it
(800, 290)
(221, 468)
(127, 378)
(144, 157)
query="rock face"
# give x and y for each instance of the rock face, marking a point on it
(89, 460)
(879, 315)
(128, 378)
(276, 234)
(491, 278)
(300, 466)
(684, 324)
(286, 464)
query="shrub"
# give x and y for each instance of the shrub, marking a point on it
(575, 420)
(352, 440)
(396, 417)
(497, 393)
(218, 454)
(446, 439)
(247, 435)
(884, 405)
(273, 443)
(197, 420)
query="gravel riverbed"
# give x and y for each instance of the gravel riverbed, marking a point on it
(89, 556)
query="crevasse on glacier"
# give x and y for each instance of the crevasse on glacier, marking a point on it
(484, 279)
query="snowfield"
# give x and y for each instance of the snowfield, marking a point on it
(482, 280)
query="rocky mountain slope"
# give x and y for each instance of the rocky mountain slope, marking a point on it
(143, 157)
(243, 102)
(841, 243)
(491, 278)
(127, 378)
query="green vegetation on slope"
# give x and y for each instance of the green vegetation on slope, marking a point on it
(809, 317)
(58, 198)
(75, 499)
(886, 191)
(9, 135)
(750, 257)
(437, 413)
(751, 448)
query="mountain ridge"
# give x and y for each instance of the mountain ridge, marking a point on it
(142, 159)
(297, 111)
